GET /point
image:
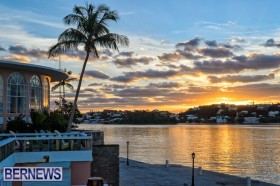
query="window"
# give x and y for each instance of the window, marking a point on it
(16, 96)
(46, 93)
(35, 93)
(1, 94)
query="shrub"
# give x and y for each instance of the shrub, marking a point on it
(56, 121)
(38, 119)
(18, 124)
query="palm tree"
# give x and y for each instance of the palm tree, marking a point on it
(63, 84)
(91, 31)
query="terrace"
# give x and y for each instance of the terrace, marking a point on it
(35, 149)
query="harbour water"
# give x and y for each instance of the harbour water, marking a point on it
(241, 150)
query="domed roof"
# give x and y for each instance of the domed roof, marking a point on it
(54, 74)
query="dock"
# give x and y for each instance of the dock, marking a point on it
(143, 174)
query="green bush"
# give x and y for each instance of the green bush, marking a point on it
(38, 119)
(18, 124)
(56, 121)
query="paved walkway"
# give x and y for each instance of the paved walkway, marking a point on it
(142, 174)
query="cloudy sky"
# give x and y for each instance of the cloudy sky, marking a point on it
(182, 53)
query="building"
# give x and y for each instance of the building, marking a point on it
(25, 87)
(72, 152)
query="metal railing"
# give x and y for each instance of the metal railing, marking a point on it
(6, 148)
(38, 142)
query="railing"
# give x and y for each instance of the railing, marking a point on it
(6, 148)
(38, 142)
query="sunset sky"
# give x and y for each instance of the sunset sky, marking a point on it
(182, 53)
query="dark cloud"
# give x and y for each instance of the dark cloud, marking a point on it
(190, 45)
(264, 90)
(123, 79)
(131, 76)
(132, 61)
(115, 86)
(2, 49)
(238, 64)
(191, 50)
(229, 46)
(177, 55)
(90, 90)
(139, 92)
(126, 54)
(188, 55)
(240, 58)
(97, 74)
(235, 65)
(22, 50)
(211, 43)
(38, 53)
(165, 85)
(103, 103)
(239, 78)
(18, 49)
(271, 43)
(167, 57)
(95, 84)
(216, 52)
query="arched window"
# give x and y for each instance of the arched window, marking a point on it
(1, 94)
(35, 93)
(46, 93)
(16, 96)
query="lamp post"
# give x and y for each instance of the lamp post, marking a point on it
(127, 161)
(193, 156)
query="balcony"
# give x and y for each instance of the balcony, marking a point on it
(44, 147)
(71, 151)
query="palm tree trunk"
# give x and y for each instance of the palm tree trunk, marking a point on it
(77, 93)
(62, 98)
(63, 91)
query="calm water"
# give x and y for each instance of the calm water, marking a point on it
(233, 149)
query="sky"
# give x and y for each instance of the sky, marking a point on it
(182, 54)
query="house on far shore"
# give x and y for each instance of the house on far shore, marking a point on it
(25, 87)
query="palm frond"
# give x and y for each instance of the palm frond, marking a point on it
(70, 39)
(73, 19)
(63, 47)
(72, 34)
(69, 86)
(112, 40)
(56, 86)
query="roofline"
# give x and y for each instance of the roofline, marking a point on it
(55, 74)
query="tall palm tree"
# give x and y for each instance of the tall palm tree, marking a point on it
(64, 83)
(91, 31)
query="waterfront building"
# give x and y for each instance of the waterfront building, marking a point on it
(251, 120)
(25, 87)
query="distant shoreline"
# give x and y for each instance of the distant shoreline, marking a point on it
(184, 124)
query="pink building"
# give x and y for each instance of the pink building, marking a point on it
(25, 87)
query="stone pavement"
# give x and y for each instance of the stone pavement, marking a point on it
(143, 174)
